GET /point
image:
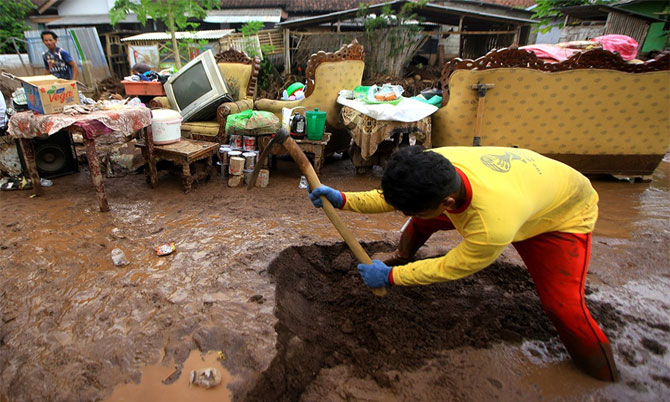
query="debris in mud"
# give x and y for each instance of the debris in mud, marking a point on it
(207, 378)
(119, 258)
(118, 234)
(174, 376)
(165, 249)
(257, 299)
(328, 317)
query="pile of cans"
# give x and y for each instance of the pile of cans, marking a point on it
(238, 160)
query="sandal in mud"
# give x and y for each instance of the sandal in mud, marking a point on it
(17, 183)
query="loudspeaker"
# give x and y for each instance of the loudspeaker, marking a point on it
(54, 155)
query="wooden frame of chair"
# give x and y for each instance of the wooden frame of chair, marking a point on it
(351, 51)
(235, 56)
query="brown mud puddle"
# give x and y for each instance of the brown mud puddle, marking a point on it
(75, 327)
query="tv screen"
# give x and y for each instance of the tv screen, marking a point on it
(197, 89)
(190, 86)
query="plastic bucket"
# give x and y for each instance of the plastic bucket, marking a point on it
(316, 124)
(166, 126)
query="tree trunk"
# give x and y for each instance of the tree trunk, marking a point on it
(175, 46)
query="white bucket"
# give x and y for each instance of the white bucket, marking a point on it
(165, 126)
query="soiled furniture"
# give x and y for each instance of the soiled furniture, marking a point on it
(314, 148)
(375, 140)
(593, 111)
(241, 74)
(182, 153)
(326, 75)
(27, 125)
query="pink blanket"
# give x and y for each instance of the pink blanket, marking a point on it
(550, 52)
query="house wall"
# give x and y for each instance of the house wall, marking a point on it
(551, 37)
(581, 32)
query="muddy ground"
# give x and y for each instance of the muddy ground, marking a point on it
(262, 278)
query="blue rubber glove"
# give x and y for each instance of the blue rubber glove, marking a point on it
(332, 195)
(375, 275)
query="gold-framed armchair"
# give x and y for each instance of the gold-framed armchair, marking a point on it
(326, 75)
(241, 74)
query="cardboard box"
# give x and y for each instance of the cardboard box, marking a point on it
(47, 94)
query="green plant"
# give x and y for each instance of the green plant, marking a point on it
(188, 48)
(174, 13)
(547, 11)
(398, 25)
(12, 23)
(391, 36)
(267, 70)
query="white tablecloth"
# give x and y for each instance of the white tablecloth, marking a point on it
(407, 110)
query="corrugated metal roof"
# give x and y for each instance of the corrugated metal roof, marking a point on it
(321, 6)
(158, 36)
(244, 15)
(431, 12)
(94, 19)
(600, 12)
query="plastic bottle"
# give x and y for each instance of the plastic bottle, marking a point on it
(303, 183)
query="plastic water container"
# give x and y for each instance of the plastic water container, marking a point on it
(316, 124)
(166, 126)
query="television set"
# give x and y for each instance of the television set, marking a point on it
(197, 89)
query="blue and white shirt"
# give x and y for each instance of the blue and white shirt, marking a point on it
(57, 63)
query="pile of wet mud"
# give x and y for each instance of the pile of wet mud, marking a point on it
(327, 317)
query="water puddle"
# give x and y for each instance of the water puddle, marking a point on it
(151, 387)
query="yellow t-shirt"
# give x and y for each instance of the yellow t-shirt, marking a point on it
(516, 194)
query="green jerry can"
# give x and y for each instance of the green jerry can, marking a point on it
(316, 124)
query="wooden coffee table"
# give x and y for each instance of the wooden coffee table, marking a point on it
(182, 153)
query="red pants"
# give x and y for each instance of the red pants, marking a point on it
(557, 262)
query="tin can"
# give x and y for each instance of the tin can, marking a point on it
(236, 141)
(249, 159)
(233, 153)
(236, 166)
(223, 153)
(247, 175)
(235, 181)
(249, 143)
(263, 178)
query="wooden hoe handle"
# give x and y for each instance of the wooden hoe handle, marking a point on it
(306, 168)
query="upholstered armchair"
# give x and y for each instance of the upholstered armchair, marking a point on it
(241, 74)
(326, 75)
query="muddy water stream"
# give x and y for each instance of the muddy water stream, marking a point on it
(75, 327)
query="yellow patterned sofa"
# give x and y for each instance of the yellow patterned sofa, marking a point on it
(241, 74)
(326, 75)
(593, 111)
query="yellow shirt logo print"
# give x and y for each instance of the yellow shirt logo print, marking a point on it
(500, 163)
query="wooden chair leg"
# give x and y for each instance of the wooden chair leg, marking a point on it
(187, 179)
(318, 159)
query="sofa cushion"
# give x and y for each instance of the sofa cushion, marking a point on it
(237, 76)
(329, 79)
(586, 111)
(206, 128)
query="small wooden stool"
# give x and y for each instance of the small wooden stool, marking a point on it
(181, 153)
(315, 148)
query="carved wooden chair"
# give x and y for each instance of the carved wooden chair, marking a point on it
(241, 74)
(327, 74)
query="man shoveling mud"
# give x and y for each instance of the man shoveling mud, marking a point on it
(493, 196)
